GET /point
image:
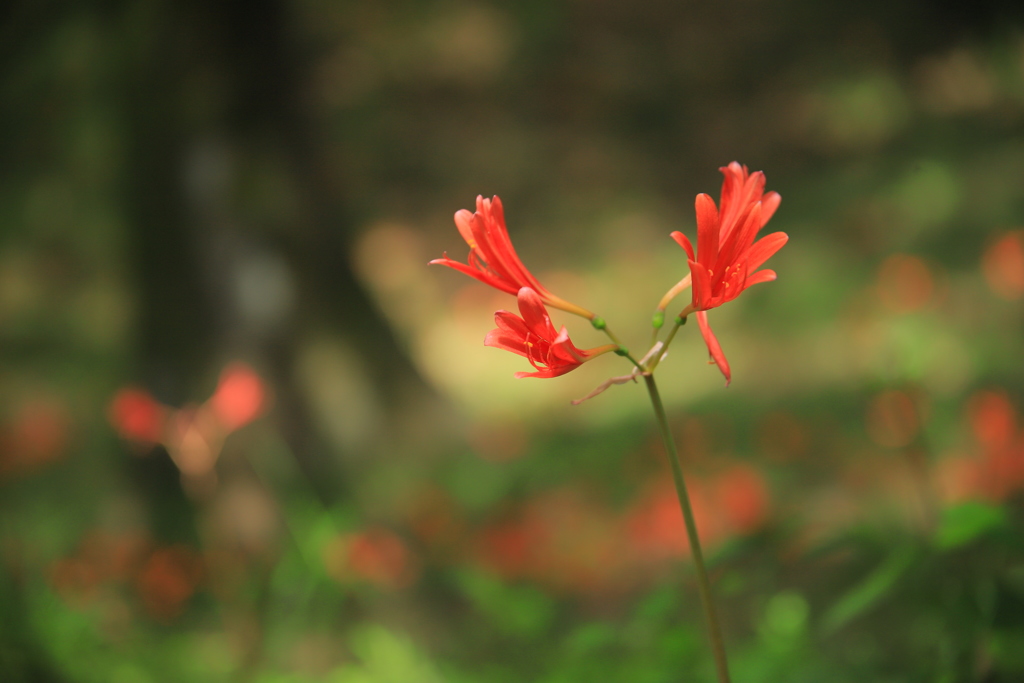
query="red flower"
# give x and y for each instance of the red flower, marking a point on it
(727, 256)
(492, 258)
(534, 337)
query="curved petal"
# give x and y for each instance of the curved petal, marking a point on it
(733, 248)
(765, 248)
(743, 236)
(464, 222)
(745, 189)
(684, 241)
(500, 339)
(701, 285)
(563, 348)
(707, 230)
(714, 348)
(759, 277)
(546, 372)
(501, 249)
(534, 314)
(477, 274)
(769, 203)
(734, 177)
(511, 323)
(497, 209)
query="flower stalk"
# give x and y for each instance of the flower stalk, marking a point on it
(703, 584)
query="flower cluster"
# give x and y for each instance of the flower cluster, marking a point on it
(725, 263)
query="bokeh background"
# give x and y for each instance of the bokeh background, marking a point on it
(246, 434)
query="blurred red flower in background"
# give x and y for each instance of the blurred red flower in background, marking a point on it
(375, 555)
(905, 283)
(193, 435)
(993, 418)
(1003, 265)
(727, 257)
(240, 396)
(137, 416)
(37, 434)
(167, 579)
(493, 259)
(534, 337)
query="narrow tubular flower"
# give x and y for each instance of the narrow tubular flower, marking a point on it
(533, 337)
(493, 259)
(727, 258)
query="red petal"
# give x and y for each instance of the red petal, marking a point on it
(511, 323)
(534, 314)
(739, 240)
(563, 348)
(497, 210)
(481, 275)
(500, 339)
(714, 348)
(744, 190)
(502, 252)
(701, 285)
(764, 249)
(732, 183)
(707, 230)
(769, 203)
(684, 242)
(759, 277)
(464, 221)
(555, 371)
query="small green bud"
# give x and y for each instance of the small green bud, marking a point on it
(622, 351)
(680, 321)
(598, 323)
(658, 320)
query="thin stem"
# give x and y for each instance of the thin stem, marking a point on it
(714, 631)
(621, 350)
(632, 360)
(659, 313)
(611, 335)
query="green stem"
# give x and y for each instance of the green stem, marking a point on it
(714, 631)
(611, 335)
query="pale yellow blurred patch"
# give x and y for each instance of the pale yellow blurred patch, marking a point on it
(343, 401)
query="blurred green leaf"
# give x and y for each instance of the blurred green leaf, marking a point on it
(589, 637)
(785, 618)
(386, 657)
(869, 592)
(517, 610)
(965, 522)
(658, 604)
